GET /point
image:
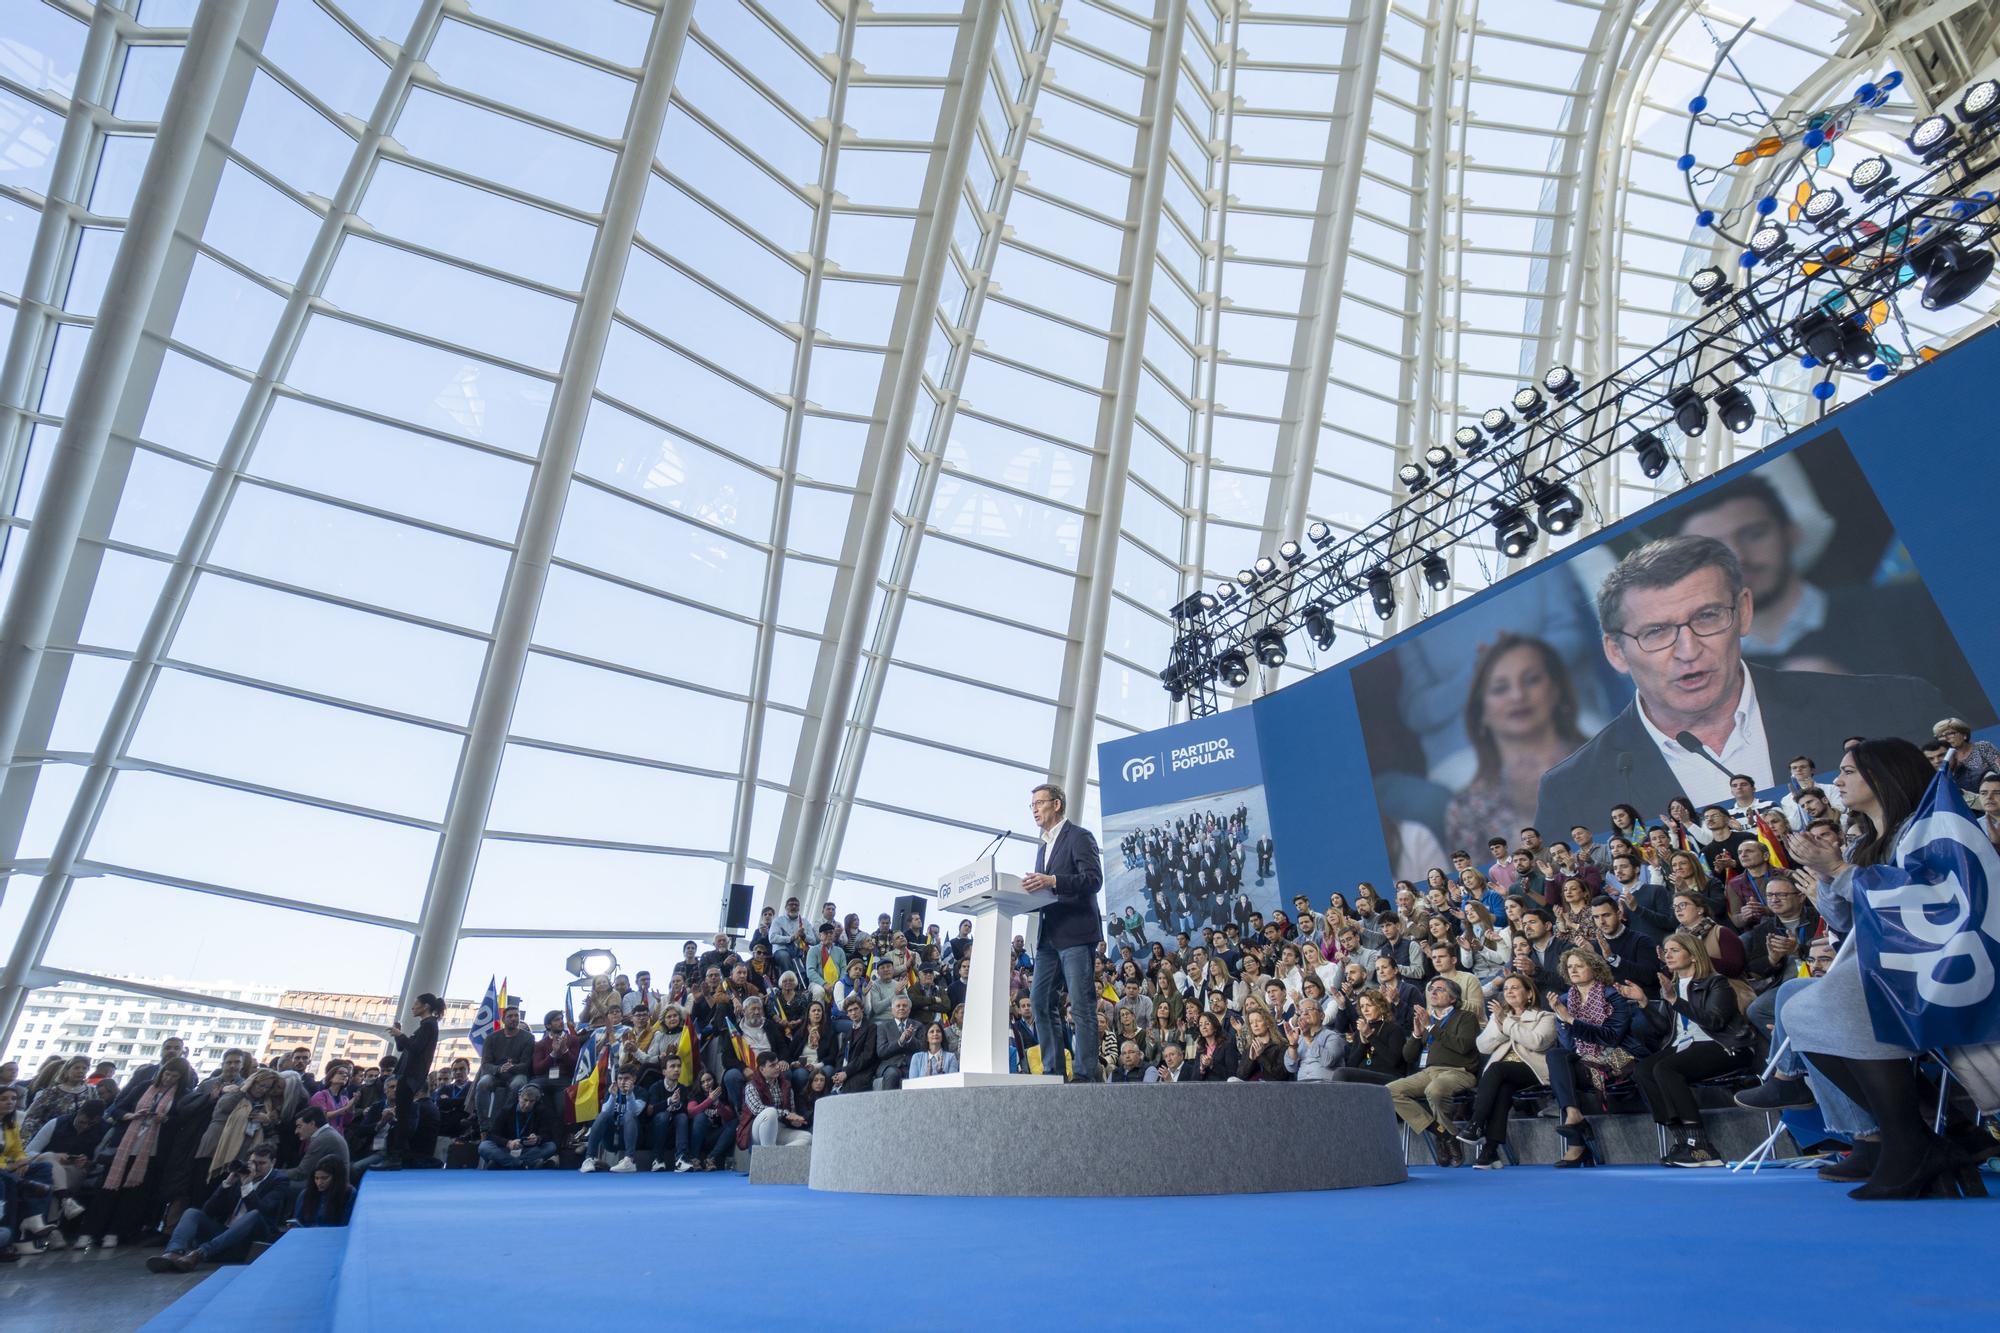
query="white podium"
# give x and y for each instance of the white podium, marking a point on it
(993, 899)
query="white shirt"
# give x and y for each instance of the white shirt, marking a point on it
(1686, 1031)
(1745, 751)
(1050, 835)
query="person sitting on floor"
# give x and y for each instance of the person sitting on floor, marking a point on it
(522, 1136)
(768, 1117)
(326, 1200)
(319, 1143)
(249, 1205)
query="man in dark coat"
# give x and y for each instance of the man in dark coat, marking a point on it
(1069, 869)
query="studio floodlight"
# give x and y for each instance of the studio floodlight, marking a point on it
(1291, 552)
(1652, 454)
(1497, 423)
(1981, 103)
(1469, 441)
(1562, 382)
(1233, 667)
(1246, 579)
(1513, 534)
(1225, 591)
(1557, 507)
(1319, 534)
(1382, 592)
(1266, 567)
(1870, 178)
(1412, 476)
(1710, 284)
(1270, 646)
(1440, 459)
(1769, 240)
(1529, 403)
(1932, 138)
(1319, 626)
(592, 963)
(1436, 572)
(1733, 405)
(1690, 412)
(1824, 207)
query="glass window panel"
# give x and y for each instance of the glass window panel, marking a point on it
(595, 709)
(717, 171)
(1084, 127)
(158, 499)
(290, 140)
(675, 472)
(43, 47)
(121, 159)
(861, 312)
(1144, 579)
(882, 176)
(96, 251)
(500, 148)
(751, 118)
(531, 886)
(122, 600)
(314, 749)
(885, 49)
(478, 225)
(242, 840)
(312, 645)
(819, 520)
(325, 59)
(939, 782)
(1266, 286)
(844, 380)
(869, 242)
(557, 89)
(1135, 635)
(1238, 495)
(669, 302)
(385, 18)
(903, 848)
(596, 27)
(1054, 287)
(804, 595)
(351, 457)
(444, 301)
(1064, 174)
(27, 154)
(564, 795)
(1285, 90)
(59, 379)
(1107, 32)
(792, 660)
(700, 239)
(226, 315)
(989, 449)
(145, 81)
(925, 705)
(193, 406)
(754, 45)
(620, 537)
(358, 556)
(259, 226)
(424, 386)
(1035, 402)
(595, 618)
(1152, 521)
(1008, 330)
(984, 581)
(661, 381)
(830, 449)
(1006, 521)
(893, 113)
(1039, 222)
(1108, 83)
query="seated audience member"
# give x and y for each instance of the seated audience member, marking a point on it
(768, 1116)
(826, 963)
(1399, 947)
(1173, 1067)
(1777, 945)
(1571, 910)
(1537, 931)
(68, 1090)
(1723, 946)
(67, 1146)
(508, 1058)
(27, 1188)
(897, 1038)
(553, 1058)
(249, 1205)
(1515, 1042)
(1443, 1048)
(1401, 996)
(336, 1094)
(1647, 906)
(1375, 1050)
(857, 1072)
(1262, 1059)
(1316, 1050)
(1595, 1029)
(122, 1201)
(327, 1199)
(617, 1123)
(711, 1124)
(1214, 1050)
(1131, 1066)
(1444, 959)
(319, 1143)
(1743, 893)
(245, 1115)
(1967, 760)
(665, 1115)
(453, 1102)
(522, 1136)
(1633, 954)
(936, 1057)
(1709, 1037)
(1989, 806)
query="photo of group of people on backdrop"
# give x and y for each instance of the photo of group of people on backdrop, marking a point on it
(1747, 628)
(1177, 869)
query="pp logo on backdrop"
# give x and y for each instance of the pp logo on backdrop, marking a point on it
(1139, 768)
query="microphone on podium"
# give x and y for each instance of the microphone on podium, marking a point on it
(1687, 740)
(991, 843)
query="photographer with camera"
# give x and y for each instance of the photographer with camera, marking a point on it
(250, 1205)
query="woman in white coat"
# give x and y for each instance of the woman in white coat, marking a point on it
(1515, 1041)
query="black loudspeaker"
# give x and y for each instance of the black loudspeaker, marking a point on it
(906, 904)
(738, 917)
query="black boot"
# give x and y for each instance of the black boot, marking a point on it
(1857, 1166)
(1913, 1161)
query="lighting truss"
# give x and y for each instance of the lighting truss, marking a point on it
(1863, 258)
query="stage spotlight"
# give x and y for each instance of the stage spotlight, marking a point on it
(1528, 402)
(1382, 592)
(1266, 567)
(1436, 572)
(1513, 534)
(1835, 341)
(1193, 606)
(1735, 408)
(1653, 456)
(1981, 102)
(1469, 441)
(1951, 270)
(1768, 241)
(1225, 591)
(1497, 423)
(1557, 507)
(1562, 382)
(1270, 645)
(1291, 552)
(1871, 179)
(1319, 534)
(1440, 459)
(1710, 284)
(592, 963)
(1246, 579)
(1319, 626)
(1411, 475)
(1690, 412)
(1234, 668)
(1824, 207)
(1932, 138)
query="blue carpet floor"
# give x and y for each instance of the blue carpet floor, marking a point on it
(1614, 1248)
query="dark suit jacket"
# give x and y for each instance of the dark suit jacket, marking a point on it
(271, 1198)
(414, 1051)
(1804, 712)
(1072, 919)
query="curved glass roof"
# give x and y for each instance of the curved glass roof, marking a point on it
(574, 457)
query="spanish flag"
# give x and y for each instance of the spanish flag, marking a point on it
(690, 1053)
(582, 1098)
(1771, 847)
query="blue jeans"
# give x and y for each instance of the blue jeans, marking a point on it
(1071, 969)
(498, 1158)
(1843, 1116)
(670, 1132)
(712, 1139)
(626, 1129)
(198, 1232)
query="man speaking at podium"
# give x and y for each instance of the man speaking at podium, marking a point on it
(1068, 867)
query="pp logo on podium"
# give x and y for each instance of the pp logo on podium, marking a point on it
(1140, 767)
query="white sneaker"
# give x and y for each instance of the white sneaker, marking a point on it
(55, 1242)
(589, 1165)
(659, 1163)
(683, 1164)
(84, 1244)
(34, 1226)
(624, 1166)
(71, 1210)
(110, 1242)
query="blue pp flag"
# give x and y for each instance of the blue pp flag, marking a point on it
(488, 1016)
(1927, 929)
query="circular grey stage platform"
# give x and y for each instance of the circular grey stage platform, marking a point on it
(1108, 1139)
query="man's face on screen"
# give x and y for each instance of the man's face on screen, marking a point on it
(1685, 681)
(1761, 540)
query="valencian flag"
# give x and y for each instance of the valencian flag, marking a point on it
(1927, 929)
(487, 1018)
(585, 1092)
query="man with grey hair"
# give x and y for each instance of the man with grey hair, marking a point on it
(1673, 615)
(1069, 869)
(1316, 1050)
(1444, 1049)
